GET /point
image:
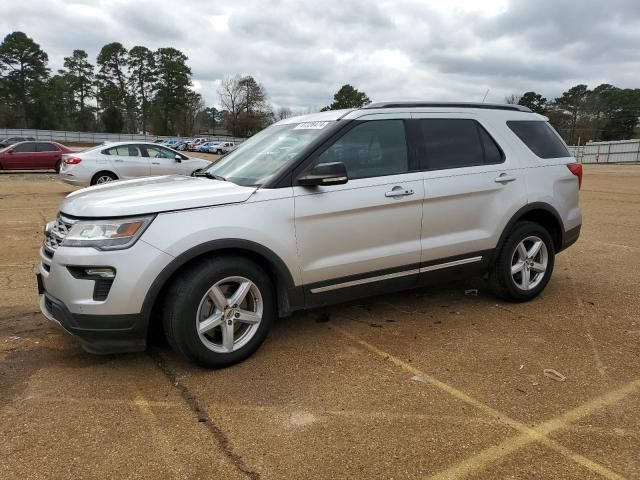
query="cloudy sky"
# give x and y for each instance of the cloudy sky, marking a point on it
(303, 50)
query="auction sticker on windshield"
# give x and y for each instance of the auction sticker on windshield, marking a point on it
(311, 125)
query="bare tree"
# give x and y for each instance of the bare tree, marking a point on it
(231, 94)
(284, 112)
(512, 99)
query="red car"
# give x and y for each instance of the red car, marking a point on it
(33, 156)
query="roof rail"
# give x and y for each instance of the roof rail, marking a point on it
(487, 106)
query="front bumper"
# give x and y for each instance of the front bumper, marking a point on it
(99, 334)
(103, 325)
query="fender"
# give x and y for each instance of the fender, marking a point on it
(530, 207)
(290, 297)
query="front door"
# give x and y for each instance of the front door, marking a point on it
(163, 161)
(23, 157)
(367, 230)
(128, 161)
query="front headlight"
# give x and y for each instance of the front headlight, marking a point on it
(115, 234)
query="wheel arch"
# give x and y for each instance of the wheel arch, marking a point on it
(289, 297)
(543, 214)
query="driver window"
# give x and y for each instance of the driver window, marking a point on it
(159, 152)
(372, 149)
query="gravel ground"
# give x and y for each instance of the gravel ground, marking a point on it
(426, 383)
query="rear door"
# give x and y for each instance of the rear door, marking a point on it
(128, 161)
(367, 230)
(472, 187)
(48, 155)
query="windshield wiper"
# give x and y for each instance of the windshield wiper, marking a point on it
(213, 176)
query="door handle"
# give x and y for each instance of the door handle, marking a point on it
(504, 178)
(398, 192)
(119, 161)
(155, 163)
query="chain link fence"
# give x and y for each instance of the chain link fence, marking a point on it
(97, 138)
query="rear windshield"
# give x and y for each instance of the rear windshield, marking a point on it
(539, 137)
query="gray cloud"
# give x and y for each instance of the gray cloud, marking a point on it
(303, 50)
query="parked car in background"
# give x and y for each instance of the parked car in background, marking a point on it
(11, 140)
(195, 144)
(33, 156)
(204, 147)
(171, 143)
(126, 160)
(223, 147)
(181, 145)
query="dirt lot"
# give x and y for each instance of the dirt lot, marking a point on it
(428, 383)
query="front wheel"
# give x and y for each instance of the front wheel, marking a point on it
(219, 311)
(524, 264)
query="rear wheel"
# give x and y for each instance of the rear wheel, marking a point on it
(57, 167)
(103, 177)
(218, 312)
(524, 264)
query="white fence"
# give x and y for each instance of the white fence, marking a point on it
(92, 137)
(623, 151)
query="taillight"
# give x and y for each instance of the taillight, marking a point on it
(72, 160)
(576, 169)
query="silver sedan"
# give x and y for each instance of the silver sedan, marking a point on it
(126, 160)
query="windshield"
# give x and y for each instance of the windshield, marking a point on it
(261, 156)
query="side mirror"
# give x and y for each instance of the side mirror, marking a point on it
(178, 158)
(10, 151)
(334, 173)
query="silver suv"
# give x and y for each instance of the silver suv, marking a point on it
(312, 211)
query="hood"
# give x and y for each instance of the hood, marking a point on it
(152, 195)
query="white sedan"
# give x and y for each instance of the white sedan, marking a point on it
(126, 160)
(222, 147)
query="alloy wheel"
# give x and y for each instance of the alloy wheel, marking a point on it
(229, 314)
(104, 179)
(529, 263)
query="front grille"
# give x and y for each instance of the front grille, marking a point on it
(56, 233)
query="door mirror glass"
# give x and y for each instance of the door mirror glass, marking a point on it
(334, 173)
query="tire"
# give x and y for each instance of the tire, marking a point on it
(189, 303)
(516, 275)
(57, 166)
(103, 177)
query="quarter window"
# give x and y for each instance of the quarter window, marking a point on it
(539, 137)
(456, 143)
(372, 149)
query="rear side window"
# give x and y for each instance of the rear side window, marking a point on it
(47, 147)
(456, 143)
(372, 149)
(124, 151)
(539, 137)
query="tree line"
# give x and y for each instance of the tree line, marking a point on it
(129, 90)
(125, 91)
(582, 115)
